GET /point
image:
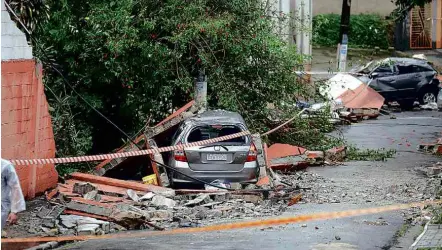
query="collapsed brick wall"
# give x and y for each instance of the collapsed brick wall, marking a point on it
(26, 130)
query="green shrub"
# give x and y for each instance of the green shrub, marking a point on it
(366, 30)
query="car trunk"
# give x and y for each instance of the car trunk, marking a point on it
(227, 155)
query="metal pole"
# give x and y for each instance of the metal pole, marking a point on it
(343, 34)
(201, 91)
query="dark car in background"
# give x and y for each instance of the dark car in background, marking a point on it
(234, 160)
(404, 80)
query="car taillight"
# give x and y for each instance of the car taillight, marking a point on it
(179, 154)
(252, 153)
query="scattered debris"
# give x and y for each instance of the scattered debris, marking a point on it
(350, 94)
(83, 188)
(435, 170)
(133, 195)
(429, 106)
(295, 199)
(147, 196)
(159, 201)
(432, 148)
(45, 246)
(198, 200)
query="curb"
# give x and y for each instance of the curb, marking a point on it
(419, 237)
(45, 246)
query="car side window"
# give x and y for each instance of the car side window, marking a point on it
(385, 68)
(422, 69)
(405, 69)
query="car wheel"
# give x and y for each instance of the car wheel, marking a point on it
(427, 96)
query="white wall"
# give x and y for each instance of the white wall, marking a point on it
(276, 7)
(13, 40)
(381, 7)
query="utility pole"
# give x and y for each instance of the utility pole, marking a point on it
(201, 91)
(343, 35)
(303, 20)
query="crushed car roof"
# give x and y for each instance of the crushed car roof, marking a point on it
(407, 61)
(217, 116)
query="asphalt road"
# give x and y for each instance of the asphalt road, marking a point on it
(402, 134)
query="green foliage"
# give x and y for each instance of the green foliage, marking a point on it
(357, 154)
(135, 61)
(404, 7)
(366, 30)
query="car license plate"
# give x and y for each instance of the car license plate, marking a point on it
(216, 157)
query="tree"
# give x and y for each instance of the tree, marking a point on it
(135, 62)
(404, 6)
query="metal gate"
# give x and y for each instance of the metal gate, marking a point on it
(420, 27)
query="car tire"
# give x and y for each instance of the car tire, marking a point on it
(427, 95)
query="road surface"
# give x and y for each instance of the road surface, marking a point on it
(365, 184)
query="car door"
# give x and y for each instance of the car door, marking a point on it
(408, 80)
(384, 80)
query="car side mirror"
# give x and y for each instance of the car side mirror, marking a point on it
(374, 75)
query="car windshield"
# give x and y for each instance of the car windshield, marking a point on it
(213, 131)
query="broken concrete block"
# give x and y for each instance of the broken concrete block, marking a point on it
(87, 229)
(129, 216)
(263, 181)
(220, 197)
(90, 207)
(147, 196)
(248, 198)
(166, 193)
(133, 195)
(92, 195)
(250, 187)
(235, 186)
(336, 154)
(202, 198)
(159, 215)
(104, 225)
(43, 212)
(71, 221)
(83, 188)
(68, 221)
(48, 222)
(159, 200)
(435, 170)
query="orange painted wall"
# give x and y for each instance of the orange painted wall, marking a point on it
(26, 128)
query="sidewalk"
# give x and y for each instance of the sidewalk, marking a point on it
(431, 237)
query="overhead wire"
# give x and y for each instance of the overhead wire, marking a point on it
(66, 81)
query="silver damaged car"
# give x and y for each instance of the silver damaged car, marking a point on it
(234, 160)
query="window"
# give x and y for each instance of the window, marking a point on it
(408, 69)
(405, 69)
(210, 132)
(422, 69)
(384, 69)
